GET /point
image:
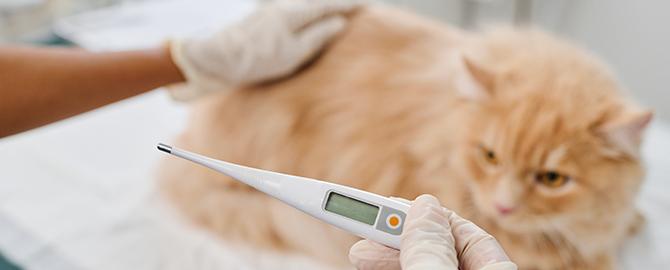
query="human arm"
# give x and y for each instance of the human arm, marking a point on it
(39, 86)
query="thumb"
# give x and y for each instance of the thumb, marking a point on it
(368, 255)
(427, 241)
(314, 37)
(476, 248)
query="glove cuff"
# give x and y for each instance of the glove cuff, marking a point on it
(196, 84)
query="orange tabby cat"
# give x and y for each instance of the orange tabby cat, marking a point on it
(526, 135)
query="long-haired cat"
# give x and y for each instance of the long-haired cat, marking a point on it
(524, 134)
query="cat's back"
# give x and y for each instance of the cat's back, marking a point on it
(383, 50)
(368, 89)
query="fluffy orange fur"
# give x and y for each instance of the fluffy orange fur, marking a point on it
(526, 135)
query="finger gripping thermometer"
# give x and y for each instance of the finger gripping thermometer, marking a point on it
(359, 212)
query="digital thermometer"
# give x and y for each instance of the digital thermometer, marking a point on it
(359, 212)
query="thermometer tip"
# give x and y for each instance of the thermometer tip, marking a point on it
(165, 148)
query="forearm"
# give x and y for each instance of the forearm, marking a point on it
(39, 86)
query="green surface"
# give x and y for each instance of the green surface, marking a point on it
(351, 208)
(6, 265)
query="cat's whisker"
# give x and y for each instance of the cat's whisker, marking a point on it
(558, 242)
(568, 238)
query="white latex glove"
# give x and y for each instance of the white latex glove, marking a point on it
(273, 42)
(434, 238)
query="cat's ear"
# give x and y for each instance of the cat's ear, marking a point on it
(624, 133)
(474, 81)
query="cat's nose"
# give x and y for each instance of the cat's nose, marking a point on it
(503, 209)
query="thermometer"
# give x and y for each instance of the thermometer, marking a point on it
(359, 212)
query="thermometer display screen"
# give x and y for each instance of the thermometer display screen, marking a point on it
(352, 208)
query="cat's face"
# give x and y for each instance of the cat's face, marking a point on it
(551, 141)
(540, 162)
(528, 175)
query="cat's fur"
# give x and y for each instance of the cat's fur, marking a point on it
(402, 106)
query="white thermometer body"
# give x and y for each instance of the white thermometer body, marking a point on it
(359, 212)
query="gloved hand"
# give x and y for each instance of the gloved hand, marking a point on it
(273, 42)
(434, 238)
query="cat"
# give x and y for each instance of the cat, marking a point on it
(526, 135)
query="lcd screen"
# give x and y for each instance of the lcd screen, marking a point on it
(352, 208)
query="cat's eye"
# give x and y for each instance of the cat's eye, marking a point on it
(551, 179)
(489, 156)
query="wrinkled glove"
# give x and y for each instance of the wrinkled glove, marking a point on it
(434, 238)
(273, 42)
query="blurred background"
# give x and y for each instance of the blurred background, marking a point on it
(630, 35)
(65, 204)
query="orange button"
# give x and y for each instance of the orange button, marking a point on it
(394, 221)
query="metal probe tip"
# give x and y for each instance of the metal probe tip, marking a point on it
(165, 148)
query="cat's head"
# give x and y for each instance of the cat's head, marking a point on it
(551, 139)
